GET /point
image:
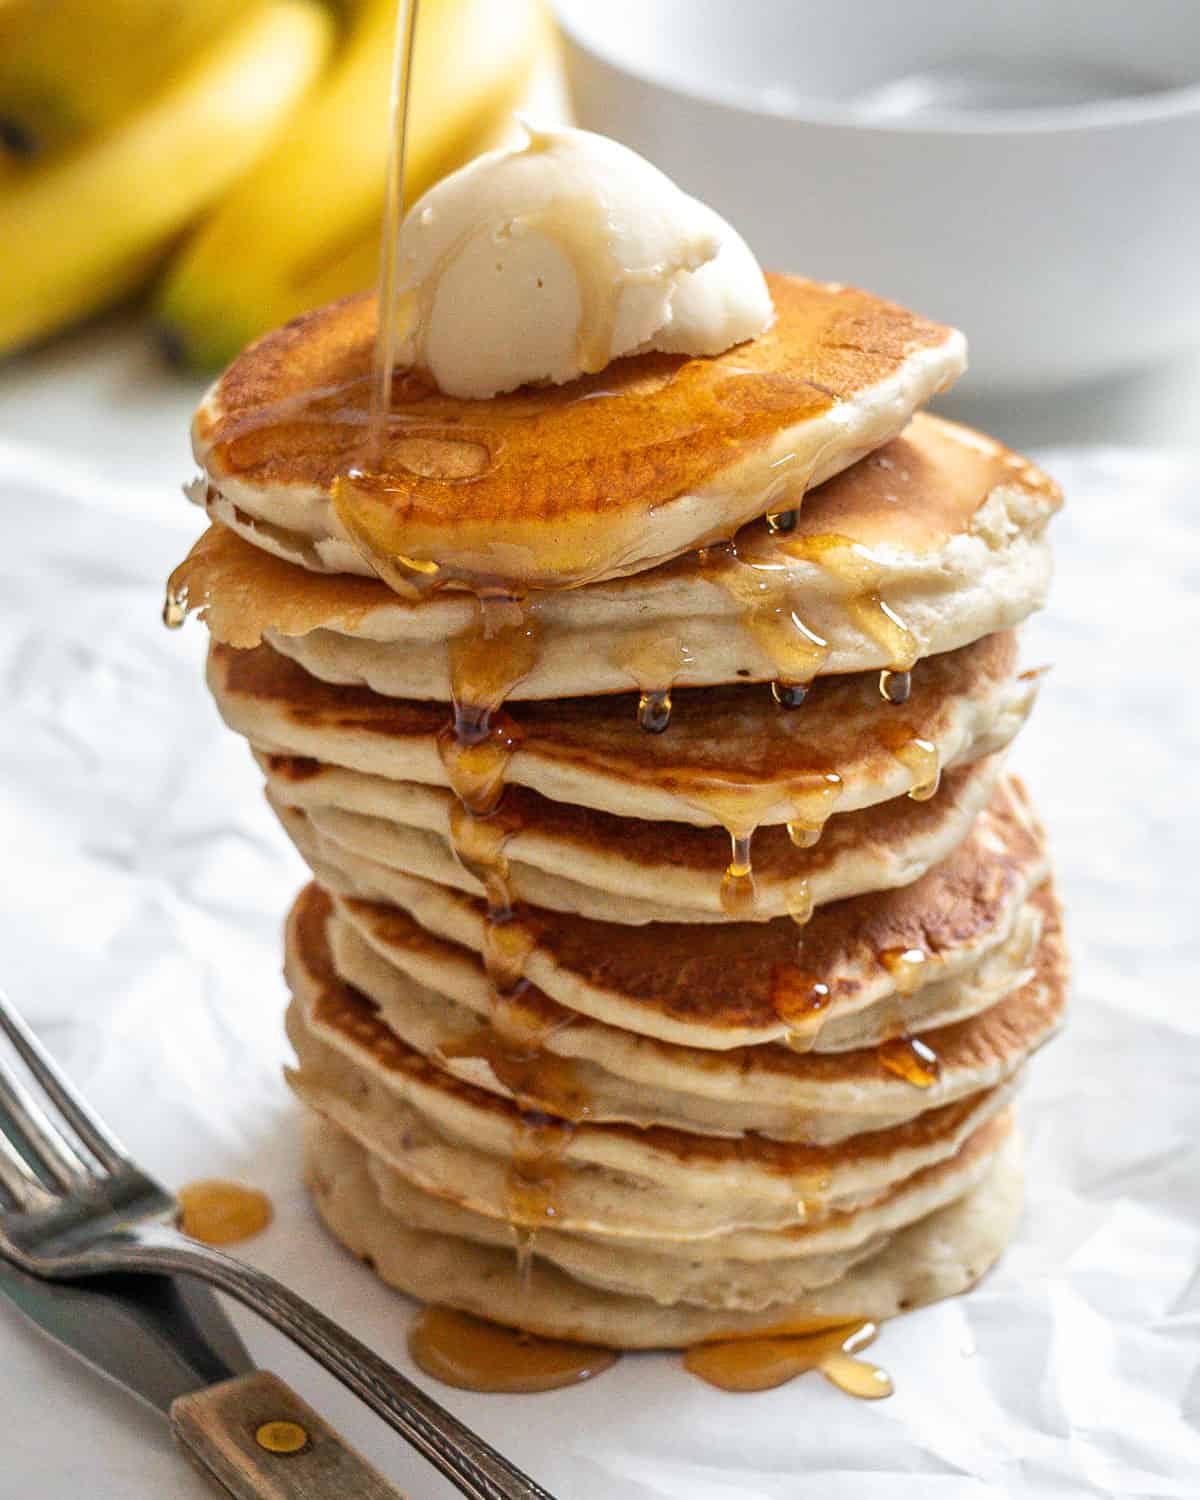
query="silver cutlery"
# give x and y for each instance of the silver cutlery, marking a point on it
(89, 1252)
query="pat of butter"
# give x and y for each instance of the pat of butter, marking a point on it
(547, 262)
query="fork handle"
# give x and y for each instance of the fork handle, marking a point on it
(470, 1463)
(259, 1441)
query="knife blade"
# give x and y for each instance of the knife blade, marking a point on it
(161, 1337)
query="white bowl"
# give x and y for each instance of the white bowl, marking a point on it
(1028, 170)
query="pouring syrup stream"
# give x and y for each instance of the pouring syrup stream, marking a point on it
(389, 250)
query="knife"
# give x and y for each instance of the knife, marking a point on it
(167, 1340)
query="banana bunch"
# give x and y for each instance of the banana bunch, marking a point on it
(54, 88)
(233, 152)
(303, 226)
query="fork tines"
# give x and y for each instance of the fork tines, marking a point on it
(37, 1157)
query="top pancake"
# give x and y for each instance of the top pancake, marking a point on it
(923, 547)
(552, 487)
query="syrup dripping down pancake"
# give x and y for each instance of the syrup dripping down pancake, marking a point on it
(553, 487)
(1015, 994)
(726, 747)
(885, 565)
(738, 984)
(939, 1256)
(457, 1141)
(639, 874)
(807, 1248)
(705, 1273)
(430, 985)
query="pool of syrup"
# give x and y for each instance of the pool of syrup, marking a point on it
(477, 1355)
(218, 1212)
(763, 1363)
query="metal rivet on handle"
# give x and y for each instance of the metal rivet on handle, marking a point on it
(281, 1437)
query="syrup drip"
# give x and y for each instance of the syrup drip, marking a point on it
(476, 750)
(653, 661)
(175, 606)
(817, 800)
(479, 842)
(861, 573)
(222, 1213)
(784, 485)
(513, 1044)
(800, 902)
(895, 687)
(926, 768)
(539, 1146)
(654, 712)
(507, 944)
(475, 1355)
(909, 1058)
(477, 747)
(741, 807)
(919, 755)
(500, 650)
(486, 663)
(737, 886)
(800, 1000)
(906, 966)
(761, 1364)
(767, 596)
(523, 1245)
(789, 694)
(804, 835)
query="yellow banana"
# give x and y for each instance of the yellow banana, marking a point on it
(297, 224)
(72, 67)
(85, 229)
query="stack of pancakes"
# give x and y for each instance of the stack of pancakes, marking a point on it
(675, 924)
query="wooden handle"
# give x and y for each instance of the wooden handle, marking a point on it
(257, 1438)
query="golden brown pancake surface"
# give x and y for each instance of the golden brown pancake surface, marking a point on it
(722, 743)
(751, 983)
(339, 1009)
(552, 486)
(1010, 1027)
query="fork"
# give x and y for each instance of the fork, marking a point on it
(67, 1213)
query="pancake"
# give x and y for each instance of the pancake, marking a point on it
(729, 752)
(740, 984)
(849, 1234)
(458, 978)
(636, 873)
(552, 487)
(558, 1062)
(705, 1273)
(937, 1257)
(922, 548)
(635, 1003)
(464, 1143)
(616, 1182)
